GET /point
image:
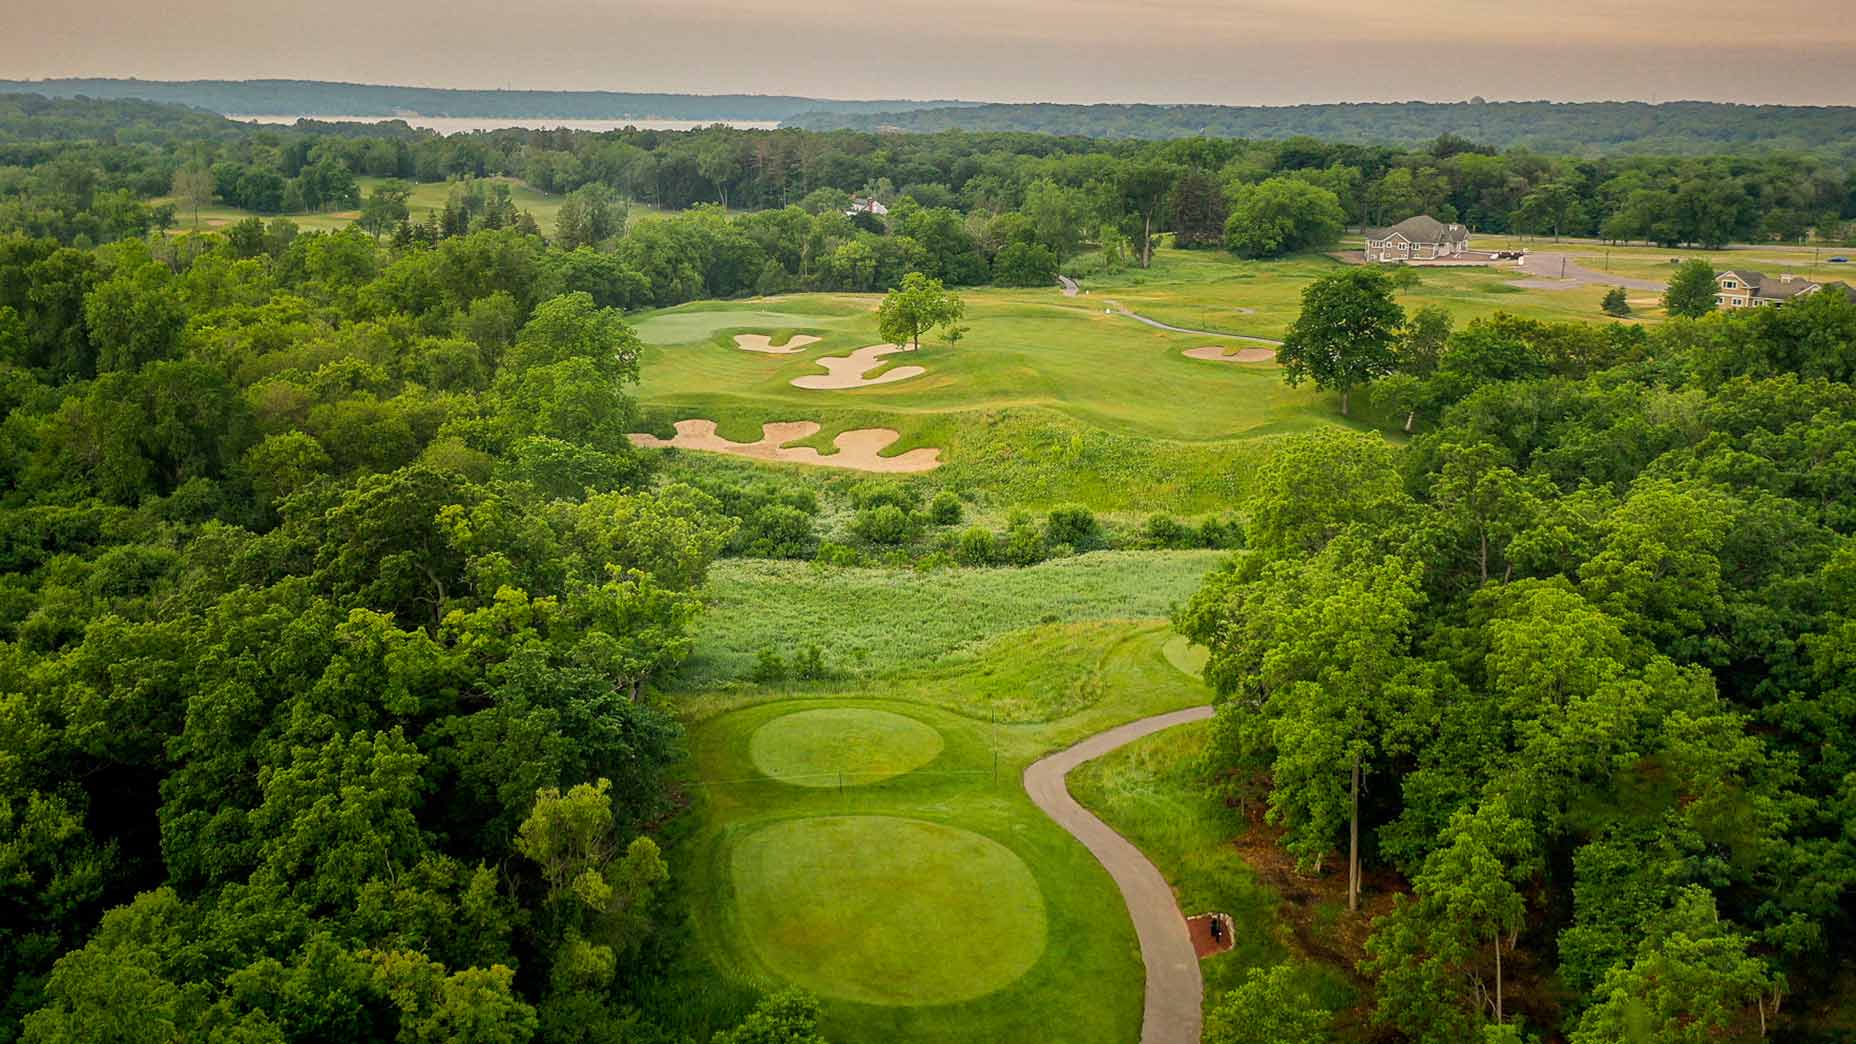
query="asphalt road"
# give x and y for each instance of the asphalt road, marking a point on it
(1546, 271)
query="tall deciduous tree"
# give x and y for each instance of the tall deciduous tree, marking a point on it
(1346, 335)
(1691, 290)
(917, 306)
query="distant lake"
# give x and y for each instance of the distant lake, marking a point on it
(466, 124)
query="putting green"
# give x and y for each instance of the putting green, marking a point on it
(833, 745)
(885, 910)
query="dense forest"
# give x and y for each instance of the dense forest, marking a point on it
(1684, 128)
(1569, 680)
(322, 98)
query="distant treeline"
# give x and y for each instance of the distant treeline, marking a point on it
(90, 172)
(1582, 128)
(321, 98)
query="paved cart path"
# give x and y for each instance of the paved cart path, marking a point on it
(1175, 993)
(1119, 309)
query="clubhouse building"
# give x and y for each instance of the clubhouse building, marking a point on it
(1745, 288)
(1421, 238)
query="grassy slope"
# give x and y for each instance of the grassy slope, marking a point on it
(1086, 985)
(1047, 399)
(1152, 793)
(881, 621)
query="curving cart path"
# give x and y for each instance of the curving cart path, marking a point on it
(1175, 994)
(1119, 309)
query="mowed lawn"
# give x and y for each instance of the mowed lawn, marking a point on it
(1022, 348)
(1213, 290)
(871, 841)
(1046, 400)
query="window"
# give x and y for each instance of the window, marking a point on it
(1730, 284)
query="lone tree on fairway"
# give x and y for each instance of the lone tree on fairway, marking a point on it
(920, 304)
(1346, 334)
(1691, 291)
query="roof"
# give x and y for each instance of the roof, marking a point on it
(1841, 287)
(1765, 288)
(1422, 229)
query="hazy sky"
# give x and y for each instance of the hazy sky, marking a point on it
(1223, 51)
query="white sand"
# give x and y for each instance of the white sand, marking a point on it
(1219, 353)
(843, 372)
(763, 343)
(857, 450)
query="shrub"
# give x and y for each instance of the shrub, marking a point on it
(833, 554)
(769, 668)
(1615, 303)
(867, 495)
(944, 509)
(1023, 545)
(1225, 533)
(1074, 525)
(809, 664)
(778, 531)
(976, 547)
(885, 524)
(1168, 532)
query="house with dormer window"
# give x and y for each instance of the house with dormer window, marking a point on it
(1421, 238)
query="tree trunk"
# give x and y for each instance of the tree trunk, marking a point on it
(1353, 844)
(1411, 417)
(1147, 240)
(1345, 395)
(1498, 975)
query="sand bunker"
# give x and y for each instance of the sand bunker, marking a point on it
(1219, 353)
(847, 371)
(763, 343)
(857, 450)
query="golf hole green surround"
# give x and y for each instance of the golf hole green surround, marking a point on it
(833, 746)
(887, 910)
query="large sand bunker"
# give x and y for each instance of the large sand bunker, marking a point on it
(1219, 353)
(847, 371)
(857, 450)
(763, 343)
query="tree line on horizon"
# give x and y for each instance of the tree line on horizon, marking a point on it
(68, 173)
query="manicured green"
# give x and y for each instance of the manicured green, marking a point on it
(937, 905)
(825, 748)
(863, 908)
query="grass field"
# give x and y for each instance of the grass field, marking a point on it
(920, 894)
(875, 623)
(1212, 290)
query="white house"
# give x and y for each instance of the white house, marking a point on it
(871, 206)
(1421, 238)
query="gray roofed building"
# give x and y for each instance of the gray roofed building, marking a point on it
(1745, 288)
(1421, 238)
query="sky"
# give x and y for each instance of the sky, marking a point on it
(1233, 52)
